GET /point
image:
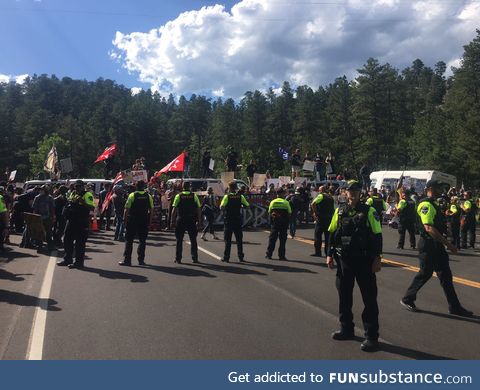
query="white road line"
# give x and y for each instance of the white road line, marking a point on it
(37, 335)
(290, 295)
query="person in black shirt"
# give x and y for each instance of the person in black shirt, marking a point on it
(209, 205)
(251, 170)
(206, 163)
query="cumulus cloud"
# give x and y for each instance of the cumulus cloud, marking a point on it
(261, 43)
(19, 79)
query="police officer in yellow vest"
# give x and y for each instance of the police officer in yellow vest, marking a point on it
(3, 222)
(137, 216)
(377, 202)
(356, 245)
(232, 204)
(406, 218)
(323, 207)
(280, 212)
(454, 214)
(468, 226)
(186, 217)
(77, 214)
(432, 253)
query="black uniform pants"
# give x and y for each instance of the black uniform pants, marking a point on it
(191, 228)
(135, 229)
(455, 227)
(361, 271)
(210, 217)
(233, 228)
(468, 228)
(277, 232)
(433, 257)
(403, 227)
(320, 231)
(75, 237)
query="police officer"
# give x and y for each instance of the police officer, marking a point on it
(137, 216)
(432, 253)
(3, 222)
(232, 204)
(280, 212)
(323, 207)
(77, 214)
(407, 218)
(356, 244)
(376, 201)
(470, 211)
(454, 214)
(187, 217)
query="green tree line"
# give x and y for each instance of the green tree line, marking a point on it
(416, 118)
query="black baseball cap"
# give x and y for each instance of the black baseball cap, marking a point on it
(353, 185)
(79, 183)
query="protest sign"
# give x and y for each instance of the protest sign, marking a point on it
(275, 182)
(227, 177)
(284, 180)
(66, 165)
(11, 178)
(259, 179)
(211, 165)
(300, 181)
(308, 165)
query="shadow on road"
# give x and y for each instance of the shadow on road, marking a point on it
(103, 273)
(16, 298)
(101, 242)
(229, 269)
(474, 319)
(281, 267)
(6, 275)
(410, 353)
(11, 255)
(179, 271)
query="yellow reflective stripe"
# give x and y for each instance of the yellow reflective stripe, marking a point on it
(318, 199)
(374, 223)
(334, 222)
(224, 201)
(427, 212)
(244, 201)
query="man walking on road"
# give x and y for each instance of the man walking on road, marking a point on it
(356, 244)
(432, 253)
(323, 208)
(187, 217)
(232, 205)
(137, 217)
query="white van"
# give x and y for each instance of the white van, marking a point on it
(98, 183)
(417, 179)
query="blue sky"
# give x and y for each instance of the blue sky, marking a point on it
(228, 49)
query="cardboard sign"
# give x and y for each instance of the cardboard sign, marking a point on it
(66, 165)
(259, 179)
(35, 227)
(211, 165)
(12, 176)
(275, 182)
(226, 178)
(218, 189)
(309, 165)
(300, 181)
(284, 180)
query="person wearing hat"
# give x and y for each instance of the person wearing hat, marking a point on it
(355, 243)
(280, 213)
(138, 217)
(296, 204)
(376, 202)
(77, 214)
(407, 217)
(232, 204)
(209, 205)
(186, 216)
(432, 253)
(468, 227)
(454, 214)
(323, 207)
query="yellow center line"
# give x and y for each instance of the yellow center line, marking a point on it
(407, 267)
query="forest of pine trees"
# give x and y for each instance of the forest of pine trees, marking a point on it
(413, 118)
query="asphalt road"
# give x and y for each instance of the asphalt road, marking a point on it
(263, 309)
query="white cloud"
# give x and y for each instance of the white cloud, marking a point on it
(261, 43)
(19, 79)
(135, 90)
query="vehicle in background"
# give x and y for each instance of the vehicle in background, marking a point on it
(98, 183)
(416, 179)
(201, 185)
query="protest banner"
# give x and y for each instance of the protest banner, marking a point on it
(259, 179)
(227, 177)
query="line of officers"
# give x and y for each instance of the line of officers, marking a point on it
(352, 231)
(353, 242)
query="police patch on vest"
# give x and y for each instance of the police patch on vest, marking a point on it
(376, 216)
(424, 210)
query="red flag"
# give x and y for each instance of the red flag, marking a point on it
(108, 198)
(176, 165)
(107, 153)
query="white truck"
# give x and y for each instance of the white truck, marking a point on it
(417, 179)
